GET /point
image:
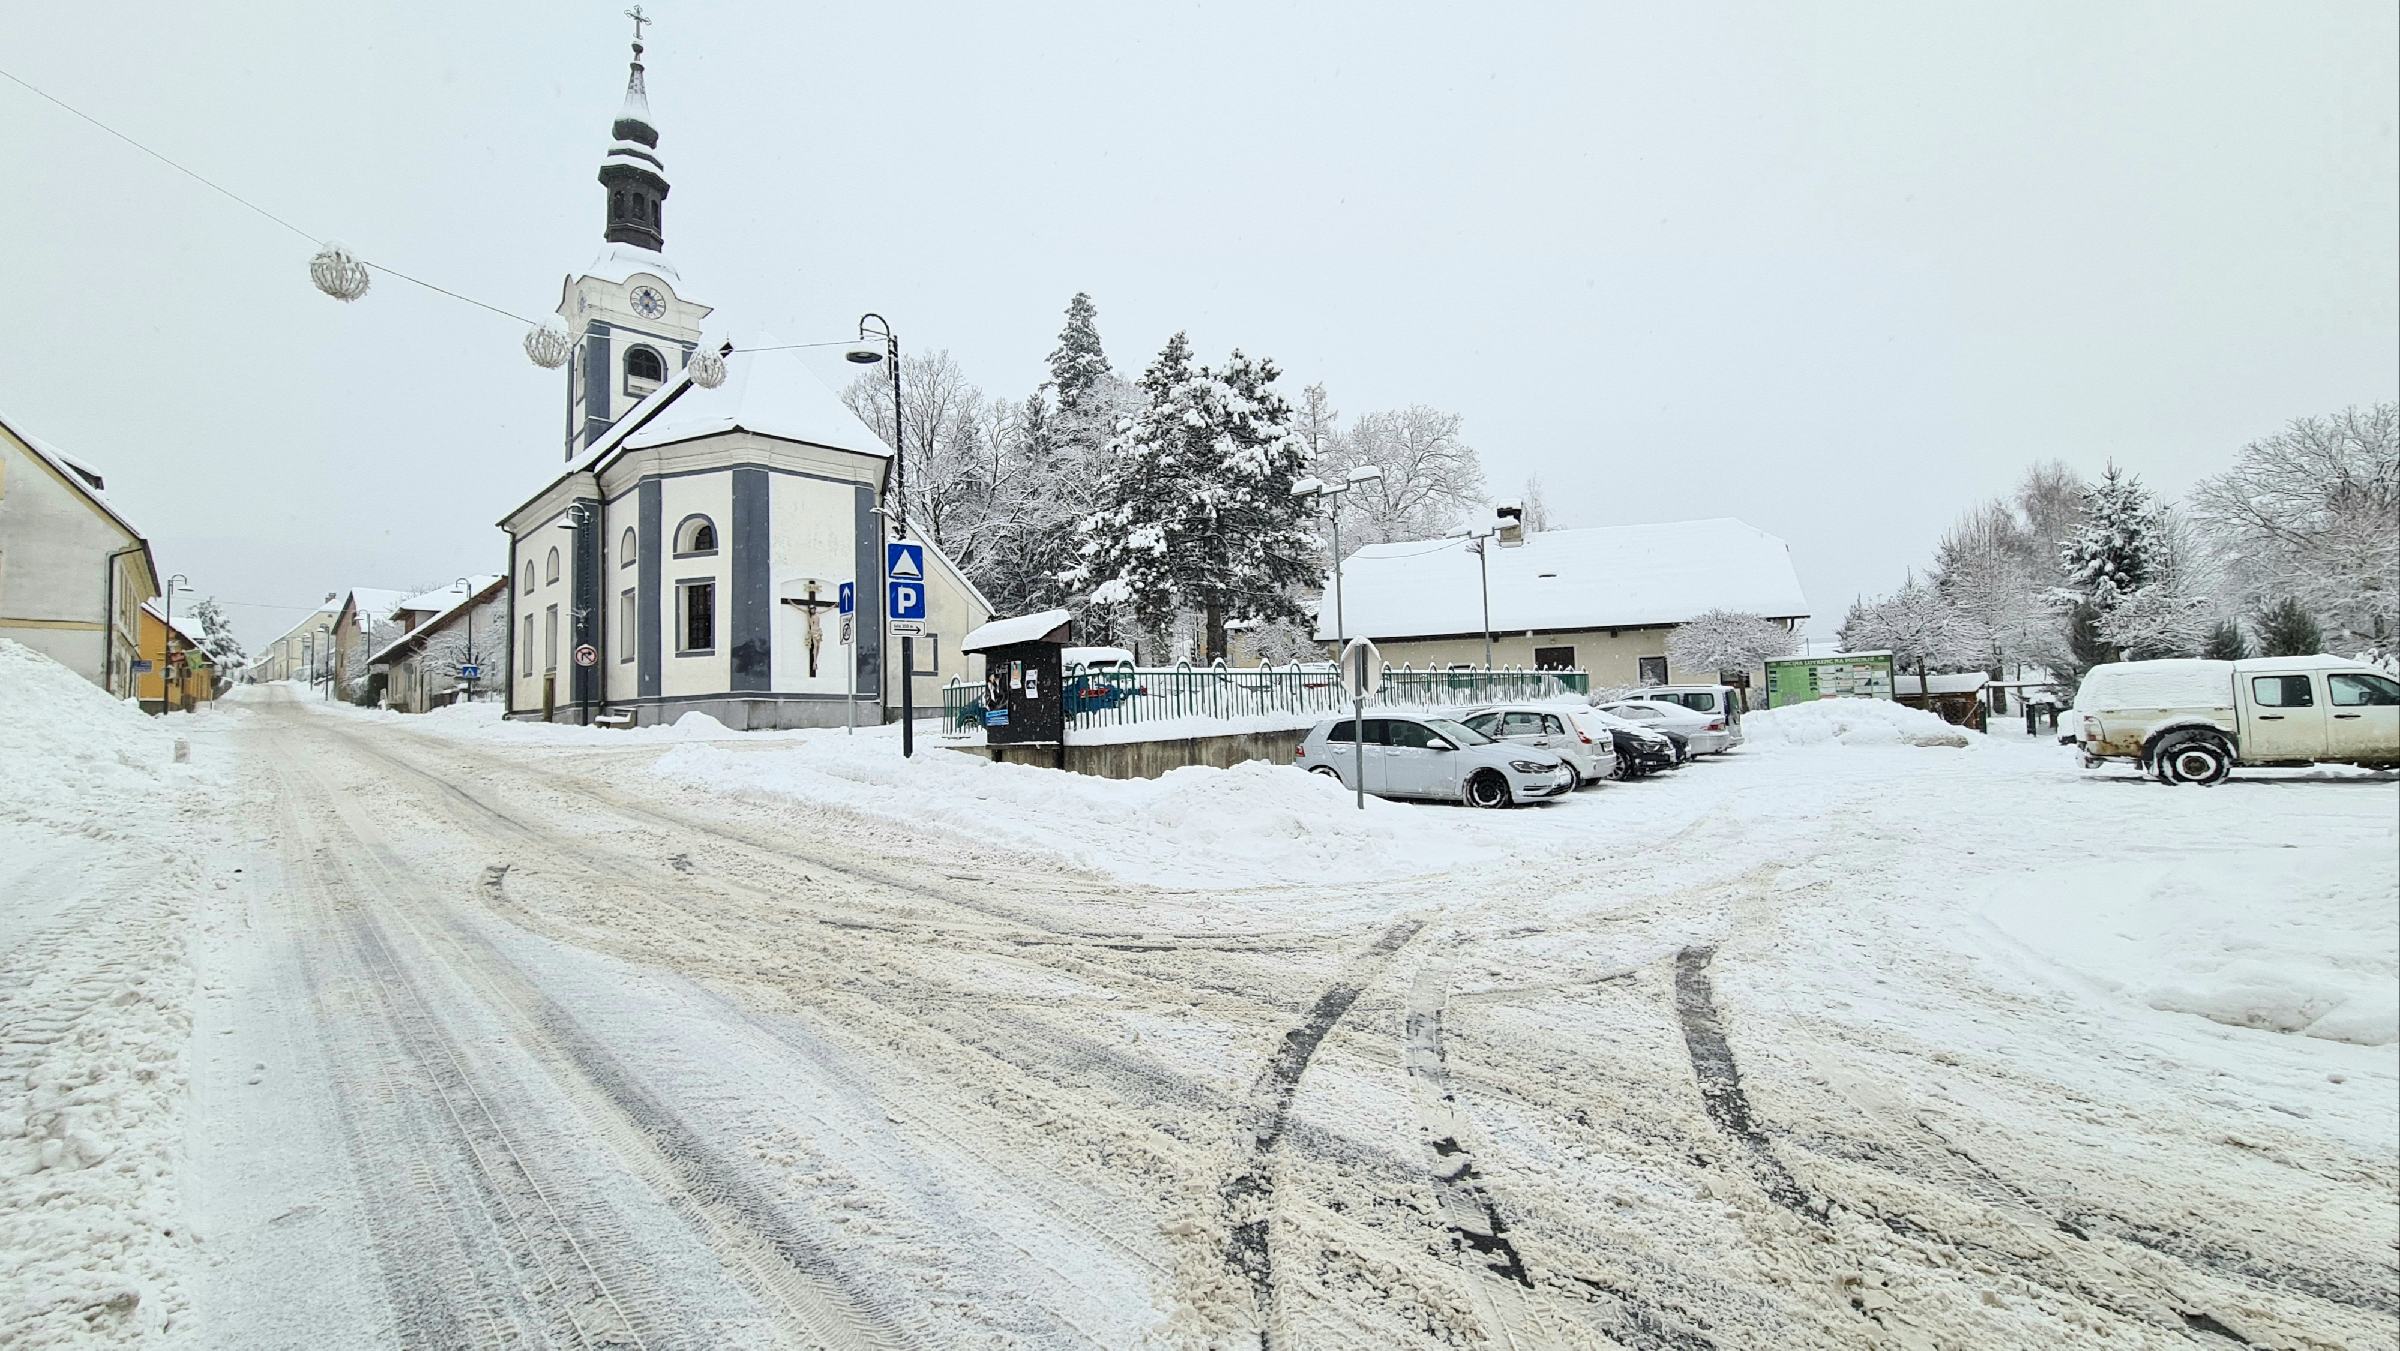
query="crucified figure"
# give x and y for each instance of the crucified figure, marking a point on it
(812, 609)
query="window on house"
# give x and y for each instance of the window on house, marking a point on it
(645, 370)
(1651, 670)
(695, 618)
(528, 576)
(697, 535)
(550, 569)
(525, 667)
(550, 641)
(627, 633)
(1553, 658)
(625, 546)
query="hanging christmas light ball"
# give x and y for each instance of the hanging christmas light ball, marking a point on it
(548, 345)
(708, 369)
(338, 272)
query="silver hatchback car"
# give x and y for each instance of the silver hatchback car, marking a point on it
(1572, 734)
(1435, 758)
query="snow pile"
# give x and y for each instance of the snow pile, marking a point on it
(1850, 722)
(98, 874)
(64, 742)
(2247, 939)
(1257, 823)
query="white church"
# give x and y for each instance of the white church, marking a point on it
(689, 553)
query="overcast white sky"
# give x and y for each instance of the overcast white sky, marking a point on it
(1838, 270)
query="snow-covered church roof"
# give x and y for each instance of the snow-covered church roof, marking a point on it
(768, 393)
(1602, 577)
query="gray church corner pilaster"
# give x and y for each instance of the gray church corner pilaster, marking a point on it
(752, 613)
(868, 568)
(648, 540)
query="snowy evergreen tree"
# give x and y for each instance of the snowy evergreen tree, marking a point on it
(2287, 629)
(2226, 643)
(1198, 515)
(2114, 549)
(217, 640)
(1077, 364)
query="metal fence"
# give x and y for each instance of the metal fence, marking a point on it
(1126, 695)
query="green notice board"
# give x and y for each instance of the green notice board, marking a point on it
(1843, 675)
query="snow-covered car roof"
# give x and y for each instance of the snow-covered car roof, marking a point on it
(1670, 711)
(1615, 576)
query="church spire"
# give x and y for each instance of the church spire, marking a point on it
(632, 172)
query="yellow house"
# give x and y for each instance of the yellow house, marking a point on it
(172, 670)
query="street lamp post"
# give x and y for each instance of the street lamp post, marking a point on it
(1317, 490)
(324, 655)
(166, 645)
(866, 352)
(466, 586)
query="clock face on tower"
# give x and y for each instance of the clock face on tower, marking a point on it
(648, 303)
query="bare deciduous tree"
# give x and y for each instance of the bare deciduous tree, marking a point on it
(2312, 513)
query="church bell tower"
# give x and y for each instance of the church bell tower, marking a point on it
(632, 331)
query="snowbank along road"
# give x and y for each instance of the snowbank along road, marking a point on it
(506, 1042)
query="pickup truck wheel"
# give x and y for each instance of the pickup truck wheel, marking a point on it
(2193, 757)
(1489, 788)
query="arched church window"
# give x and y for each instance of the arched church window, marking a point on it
(697, 535)
(625, 549)
(645, 370)
(550, 569)
(528, 576)
(616, 206)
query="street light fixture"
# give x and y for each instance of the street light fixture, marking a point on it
(867, 351)
(1318, 490)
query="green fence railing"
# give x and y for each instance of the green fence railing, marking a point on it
(1126, 695)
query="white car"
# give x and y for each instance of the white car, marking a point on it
(1432, 758)
(1713, 701)
(1575, 735)
(1699, 733)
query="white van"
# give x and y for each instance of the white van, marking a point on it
(1722, 703)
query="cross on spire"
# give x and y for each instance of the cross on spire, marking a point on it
(639, 19)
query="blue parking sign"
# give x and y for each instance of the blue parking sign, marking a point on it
(907, 600)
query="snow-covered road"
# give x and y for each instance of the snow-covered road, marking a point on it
(510, 1041)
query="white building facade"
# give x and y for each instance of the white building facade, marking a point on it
(73, 573)
(690, 555)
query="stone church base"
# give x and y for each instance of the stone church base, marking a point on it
(740, 714)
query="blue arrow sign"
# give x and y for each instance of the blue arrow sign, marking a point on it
(849, 598)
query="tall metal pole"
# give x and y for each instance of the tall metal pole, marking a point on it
(1483, 572)
(166, 649)
(1333, 512)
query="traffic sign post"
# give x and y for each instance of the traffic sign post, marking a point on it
(904, 608)
(1362, 675)
(849, 608)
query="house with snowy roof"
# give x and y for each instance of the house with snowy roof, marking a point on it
(180, 673)
(1600, 599)
(690, 554)
(453, 646)
(73, 571)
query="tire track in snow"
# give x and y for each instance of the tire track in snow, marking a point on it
(1720, 1082)
(1479, 1236)
(1249, 1195)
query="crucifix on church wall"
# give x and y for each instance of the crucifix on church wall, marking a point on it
(812, 608)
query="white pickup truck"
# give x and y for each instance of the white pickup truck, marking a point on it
(2193, 721)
